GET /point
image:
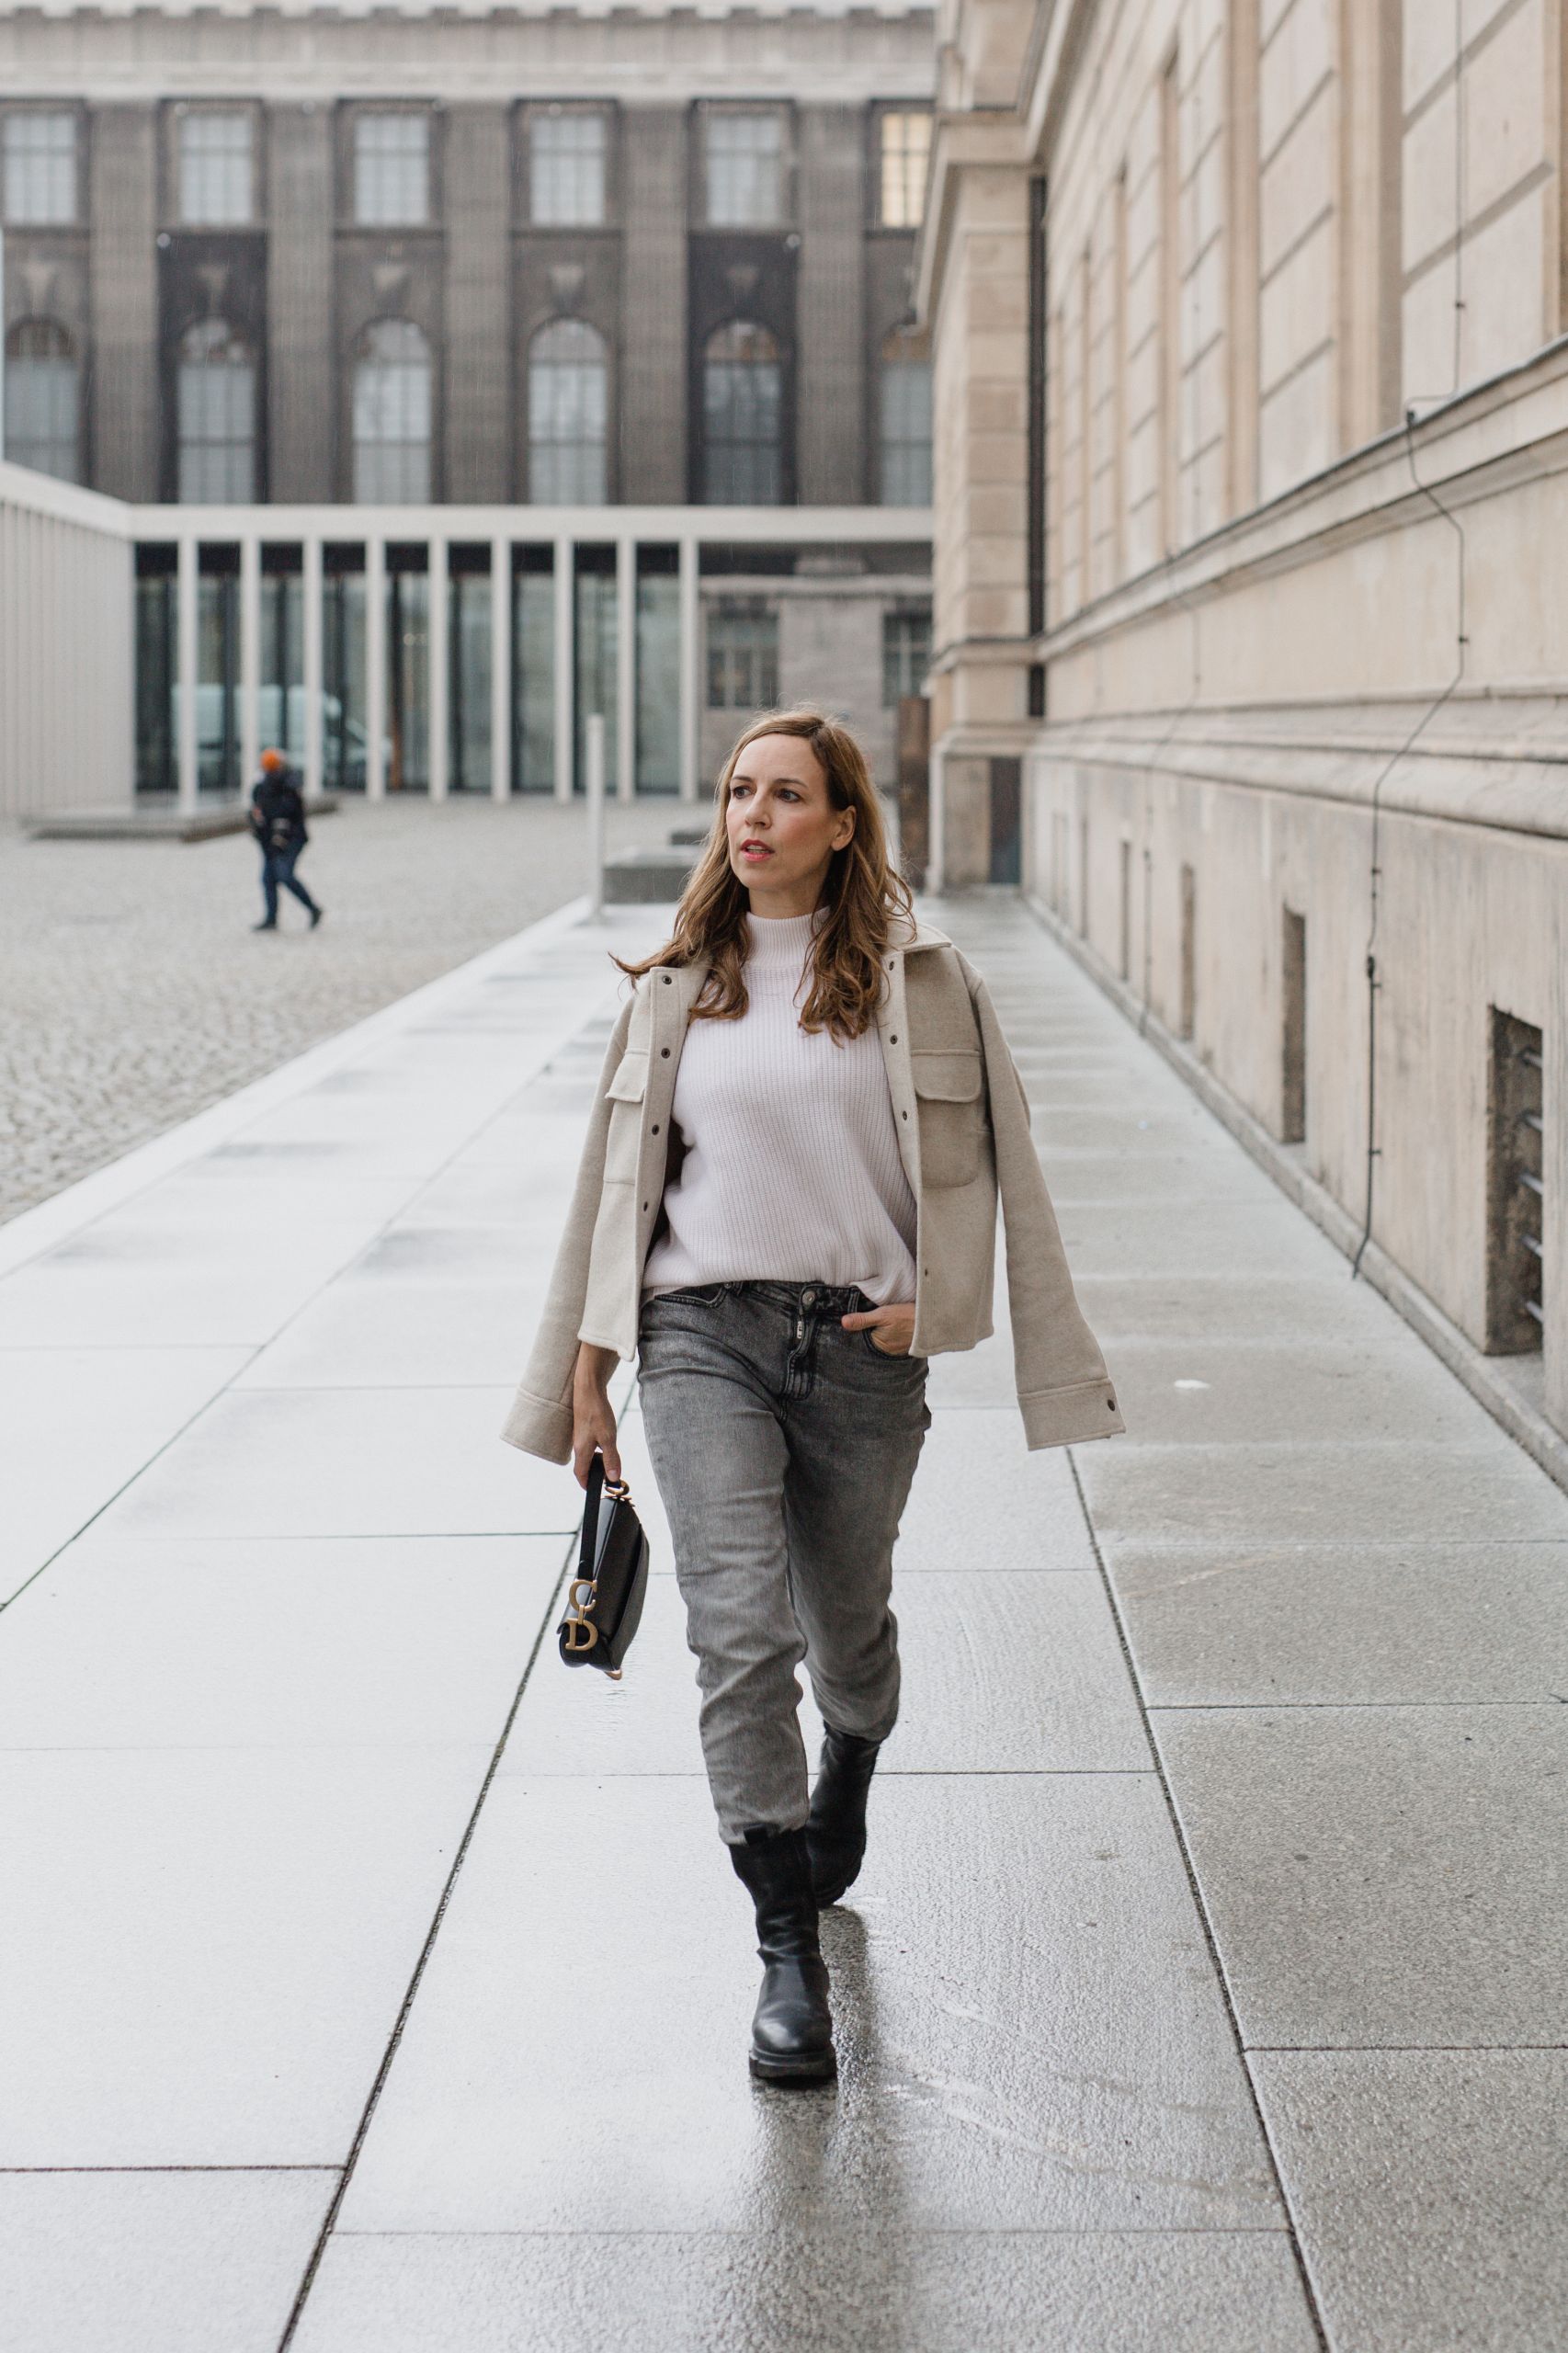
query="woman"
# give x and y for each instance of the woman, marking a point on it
(786, 1204)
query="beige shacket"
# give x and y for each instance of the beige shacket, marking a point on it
(792, 1171)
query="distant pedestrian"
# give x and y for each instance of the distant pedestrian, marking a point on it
(786, 1203)
(277, 821)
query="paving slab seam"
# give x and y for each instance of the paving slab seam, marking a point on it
(366, 2117)
(1531, 1430)
(1307, 2289)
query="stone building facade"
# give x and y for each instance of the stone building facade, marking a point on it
(1248, 323)
(478, 257)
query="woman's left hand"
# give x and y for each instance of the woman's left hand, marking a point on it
(893, 1328)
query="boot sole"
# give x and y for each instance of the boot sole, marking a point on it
(817, 2067)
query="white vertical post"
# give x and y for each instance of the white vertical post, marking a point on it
(690, 669)
(186, 591)
(312, 666)
(375, 669)
(626, 669)
(501, 669)
(250, 661)
(440, 667)
(565, 668)
(593, 762)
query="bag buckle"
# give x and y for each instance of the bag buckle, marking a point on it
(578, 1631)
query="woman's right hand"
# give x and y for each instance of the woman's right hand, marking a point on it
(593, 1415)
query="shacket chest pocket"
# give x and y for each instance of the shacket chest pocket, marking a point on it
(626, 1094)
(949, 1090)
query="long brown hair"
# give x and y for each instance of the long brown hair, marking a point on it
(862, 893)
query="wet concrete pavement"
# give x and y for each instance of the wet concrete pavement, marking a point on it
(371, 1978)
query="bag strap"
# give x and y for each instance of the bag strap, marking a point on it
(588, 1546)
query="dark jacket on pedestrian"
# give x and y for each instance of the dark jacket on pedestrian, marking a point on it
(277, 814)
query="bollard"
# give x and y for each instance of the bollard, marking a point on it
(596, 784)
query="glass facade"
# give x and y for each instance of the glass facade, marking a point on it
(468, 623)
(566, 170)
(392, 170)
(533, 671)
(155, 643)
(408, 670)
(344, 746)
(217, 416)
(907, 651)
(392, 413)
(282, 674)
(742, 654)
(743, 157)
(568, 379)
(216, 188)
(39, 182)
(596, 622)
(218, 671)
(905, 427)
(658, 671)
(743, 408)
(903, 151)
(43, 399)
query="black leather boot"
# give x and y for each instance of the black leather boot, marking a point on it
(791, 2032)
(835, 1832)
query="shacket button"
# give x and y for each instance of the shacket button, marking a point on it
(808, 1298)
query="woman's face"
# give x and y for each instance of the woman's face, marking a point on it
(781, 824)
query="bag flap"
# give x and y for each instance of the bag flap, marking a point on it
(946, 1078)
(631, 1081)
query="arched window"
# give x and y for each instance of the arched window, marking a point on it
(743, 416)
(216, 409)
(568, 382)
(392, 415)
(42, 399)
(904, 417)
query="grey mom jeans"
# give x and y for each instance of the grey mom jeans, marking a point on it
(783, 1447)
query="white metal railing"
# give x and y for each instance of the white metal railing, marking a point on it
(438, 528)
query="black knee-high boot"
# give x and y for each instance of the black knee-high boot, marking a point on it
(791, 2032)
(835, 1833)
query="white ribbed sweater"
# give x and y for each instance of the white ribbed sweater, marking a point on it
(791, 1171)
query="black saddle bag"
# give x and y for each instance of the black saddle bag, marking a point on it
(603, 1602)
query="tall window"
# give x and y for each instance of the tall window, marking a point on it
(392, 415)
(42, 399)
(904, 423)
(742, 406)
(903, 151)
(41, 168)
(215, 173)
(392, 170)
(216, 409)
(907, 651)
(566, 170)
(743, 656)
(567, 406)
(742, 154)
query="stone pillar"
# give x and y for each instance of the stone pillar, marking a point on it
(123, 277)
(478, 385)
(653, 343)
(831, 374)
(301, 409)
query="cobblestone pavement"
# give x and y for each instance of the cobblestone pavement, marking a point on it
(134, 993)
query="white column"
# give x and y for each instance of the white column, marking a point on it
(565, 667)
(186, 596)
(690, 670)
(626, 669)
(593, 778)
(501, 669)
(250, 661)
(441, 680)
(375, 669)
(312, 666)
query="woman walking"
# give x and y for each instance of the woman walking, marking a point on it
(786, 1203)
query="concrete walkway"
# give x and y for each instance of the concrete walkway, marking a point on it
(366, 1977)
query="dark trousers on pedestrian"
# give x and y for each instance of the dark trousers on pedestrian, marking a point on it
(277, 866)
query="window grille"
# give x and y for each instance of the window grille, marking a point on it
(568, 405)
(566, 170)
(216, 410)
(392, 415)
(907, 653)
(1293, 1043)
(904, 144)
(742, 402)
(1516, 1188)
(40, 169)
(905, 437)
(392, 170)
(42, 399)
(215, 171)
(743, 656)
(743, 167)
